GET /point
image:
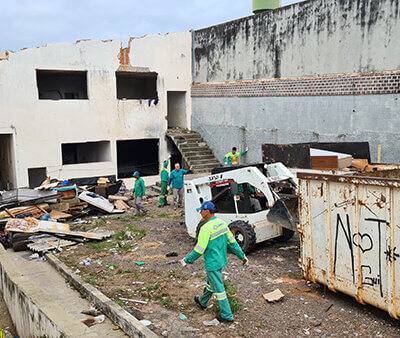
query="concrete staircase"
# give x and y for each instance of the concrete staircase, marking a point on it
(194, 150)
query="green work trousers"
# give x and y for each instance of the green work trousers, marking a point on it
(215, 285)
(163, 195)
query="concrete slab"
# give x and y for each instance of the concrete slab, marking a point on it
(44, 277)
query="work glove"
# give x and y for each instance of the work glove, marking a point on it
(182, 261)
(247, 149)
(245, 260)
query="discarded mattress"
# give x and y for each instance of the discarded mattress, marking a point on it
(97, 201)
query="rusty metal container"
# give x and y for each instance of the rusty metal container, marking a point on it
(350, 236)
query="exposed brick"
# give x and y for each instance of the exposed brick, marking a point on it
(345, 84)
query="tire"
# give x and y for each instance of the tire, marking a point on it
(244, 235)
(287, 235)
(201, 223)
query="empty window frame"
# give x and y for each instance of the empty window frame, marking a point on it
(140, 155)
(61, 85)
(136, 86)
(88, 152)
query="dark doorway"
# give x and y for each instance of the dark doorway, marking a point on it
(61, 85)
(36, 176)
(7, 175)
(176, 156)
(176, 109)
(140, 155)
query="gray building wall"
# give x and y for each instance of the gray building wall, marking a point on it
(309, 38)
(312, 38)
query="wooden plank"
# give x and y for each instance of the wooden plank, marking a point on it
(324, 162)
(88, 235)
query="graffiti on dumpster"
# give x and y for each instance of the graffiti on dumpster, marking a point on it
(365, 243)
(391, 254)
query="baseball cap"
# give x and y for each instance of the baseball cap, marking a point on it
(136, 173)
(207, 206)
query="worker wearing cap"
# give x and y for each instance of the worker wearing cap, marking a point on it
(232, 158)
(214, 237)
(139, 192)
(164, 185)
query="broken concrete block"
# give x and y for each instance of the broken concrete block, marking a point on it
(274, 296)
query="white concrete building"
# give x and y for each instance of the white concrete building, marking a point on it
(91, 108)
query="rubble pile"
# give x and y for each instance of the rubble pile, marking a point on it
(39, 219)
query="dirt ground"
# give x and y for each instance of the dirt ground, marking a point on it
(306, 310)
(5, 319)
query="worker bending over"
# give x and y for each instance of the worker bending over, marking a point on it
(164, 185)
(176, 178)
(139, 191)
(232, 158)
(214, 237)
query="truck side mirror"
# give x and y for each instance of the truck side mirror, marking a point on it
(234, 188)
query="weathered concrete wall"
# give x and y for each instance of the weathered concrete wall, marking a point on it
(373, 118)
(40, 126)
(289, 57)
(309, 38)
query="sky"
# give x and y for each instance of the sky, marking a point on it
(32, 23)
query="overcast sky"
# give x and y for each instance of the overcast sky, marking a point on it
(31, 23)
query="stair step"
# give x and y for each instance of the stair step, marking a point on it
(197, 152)
(185, 136)
(193, 158)
(204, 161)
(205, 166)
(185, 149)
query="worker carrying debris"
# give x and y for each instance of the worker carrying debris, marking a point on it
(214, 236)
(232, 158)
(164, 185)
(139, 191)
(176, 178)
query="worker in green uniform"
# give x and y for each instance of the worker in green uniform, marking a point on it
(214, 237)
(232, 158)
(164, 185)
(139, 191)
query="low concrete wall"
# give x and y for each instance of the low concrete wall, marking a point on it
(33, 312)
(128, 323)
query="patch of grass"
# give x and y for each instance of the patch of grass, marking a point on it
(163, 216)
(133, 272)
(119, 302)
(295, 275)
(100, 245)
(98, 223)
(153, 287)
(172, 273)
(91, 280)
(262, 326)
(165, 300)
(235, 302)
(121, 240)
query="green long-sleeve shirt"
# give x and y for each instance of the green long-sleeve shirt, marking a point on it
(139, 189)
(214, 237)
(164, 174)
(233, 158)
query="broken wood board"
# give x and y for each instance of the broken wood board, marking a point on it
(54, 214)
(113, 198)
(121, 205)
(30, 224)
(274, 296)
(88, 235)
(49, 243)
(4, 214)
(329, 160)
(63, 206)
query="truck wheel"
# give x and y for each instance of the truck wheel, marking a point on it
(287, 235)
(244, 235)
(201, 223)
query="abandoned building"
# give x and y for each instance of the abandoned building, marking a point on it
(91, 108)
(320, 70)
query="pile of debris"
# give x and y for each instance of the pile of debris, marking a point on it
(39, 219)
